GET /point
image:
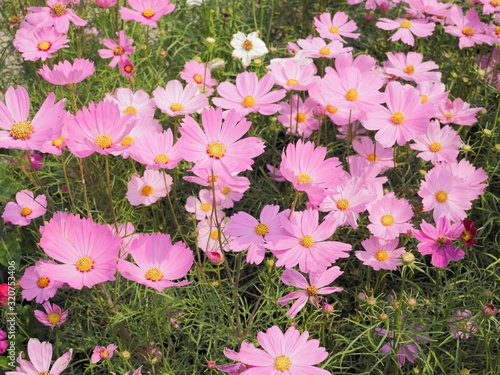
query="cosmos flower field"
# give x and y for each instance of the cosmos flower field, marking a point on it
(260, 187)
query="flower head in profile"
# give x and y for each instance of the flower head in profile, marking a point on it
(248, 47)
(26, 208)
(149, 188)
(147, 12)
(37, 284)
(118, 51)
(53, 316)
(39, 42)
(335, 27)
(56, 14)
(101, 352)
(462, 324)
(66, 73)
(381, 254)
(40, 354)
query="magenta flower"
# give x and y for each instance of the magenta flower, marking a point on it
(157, 261)
(78, 244)
(468, 28)
(149, 188)
(411, 68)
(40, 354)
(147, 12)
(304, 242)
(56, 14)
(318, 48)
(389, 217)
(18, 131)
(102, 352)
(65, 73)
(127, 69)
(117, 51)
(335, 27)
(380, 254)
(175, 100)
(457, 112)
(54, 316)
(218, 145)
(310, 290)
(106, 3)
(37, 284)
(438, 241)
(462, 324)
(39, 42)
(438, 144)
(156, 150)
(199, 74)
(298, 116)
(407, 346)
(293, 75)
(407, 28)
(4, 343)
(26, 208)
(249, 95)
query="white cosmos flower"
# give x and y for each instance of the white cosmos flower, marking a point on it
(248, 47)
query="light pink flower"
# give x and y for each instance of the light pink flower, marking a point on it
(457, 112)
(462, 324)
(199, 74)
(411, 68)
(389, 216)
(37, 284)
(438, 144)
(298, 116)
(335, 27)
(203, 207)
(380, 254)
(147, 12)
(66, 73)
(118, 51)
(472, 178)
(318, 48)
(407, 28)
(293, 75)
(156, 150)
(468, 28)
(102, 353)
(329, 106)
(433, 92)
(232, 190)
(106, 3)
(175, 100)
(423, 8)
(129, 102)
(39, 42)
(310, 290)
(56, 14)
(26, 208)
(373, 153)
(54, 316)
(209, 234)
(157, 261)
(149, 188)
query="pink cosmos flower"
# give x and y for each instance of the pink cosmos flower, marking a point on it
(438, 241)
(199, 74)
(457, 112)
(411, 68)
(65, 73)
(407, 346)
(26, 208)
(438, 144)
(218, 145)
(250, 233)
(157, 261)
(304, 242)
(298, 116)
(462, 324)
(389, 217)
(147, 12)
(118, 51)
(335, 27)
(368, 173)
(149, 188)
(156, 150)
(468, 28)
(232, 190)
(433, 92)
(472, 178)
(380, 254)
(79, 247)
(289, 353)
(127, 69)
(318, 48)
(316, 286)
(18, 131)
(373, 153)
(56, 14)
(407, 28)
(174, 100)
(129, 102)
(209, 234)
(328, 106)
(39, 42)
(249, 95)
(106, 3)
(102, 353)
(4, 343)
(203, 207)
(423, 8)
(490, 6)
(144, 127)
(40, 354)
(54, 316)
(404, 118)
(4, 294)
(293, 75)
(100, 128)
(37, 284)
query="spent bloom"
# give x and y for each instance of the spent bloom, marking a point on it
(462, 324)
(147, 12)
(39, 42)
(407, 28)
(381, 254)
(149, 188)
(118, 51)
(335, 27)
(66, 73)
(26, 208)
(56, 14)
(54, 316)
(101, 352)
(248, 47)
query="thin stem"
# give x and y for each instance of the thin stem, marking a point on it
(68, 186)
(110, 194)
(294, 203)
(35, 174)
(85, 197)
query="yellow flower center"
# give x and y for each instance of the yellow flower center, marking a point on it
(206, 207)
(84, 264)
(398, 117)
(25, 211)
(216, 150)
(128, 68)
(58, 141)
(324, 51)
(248, 101)
(58, 9)
(331, 109)
(162, 158)
(247, 45)
(372, 157)
(148, 13)
(304, 178)
(334, 30)
(226, 190)
(175, 107)
(352, 95)
(197, 78)
(409, 69)
(343, 204)
(43, 282)
(301, 117)
(21, 130)
(127, 141)
(44, 46)
(387, 220)
(466, 235)
(448, 115)
(103, 354)
(497, 28)
(495, 3)
(462, 326)
(261, 229)
(307, 241)
(312, 291)
(147, 190)
(425, 98)
(382, 255)
(441, 241)
(118, 51)
(435, 146)
(103, 141)
(154, 274)
(213, 178)
(292, 82)
(214, 234)
(130, 110)
(54, 318)
(282, 363)
(469, 31)
(441, 196)
(406, 24)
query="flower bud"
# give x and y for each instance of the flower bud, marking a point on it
(411, 302)
(212, 364)
(408, 258)
(489, 310)
(371, 301)
(327, 308)
(210, 41)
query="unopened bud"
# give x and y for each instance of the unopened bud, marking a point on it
(327, 308)
(382, 316)
(466, 148)
(210, 41)
(408, 258)
(411, 302)
(371, 301)
(487, 132)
